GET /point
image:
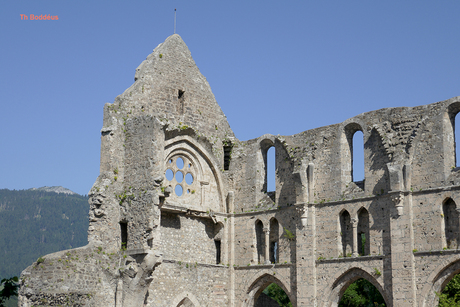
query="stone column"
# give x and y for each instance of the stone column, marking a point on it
(402, 258)
(310, 180)
(267, 245)
(231, 244)
(119, 294)
(354, 224)
(306, 257)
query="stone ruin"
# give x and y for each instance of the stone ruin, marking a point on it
(180, 214)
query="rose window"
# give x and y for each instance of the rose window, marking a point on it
(180, 175)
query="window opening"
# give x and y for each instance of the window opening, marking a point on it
(456, 140)
(363, 233)
(358, 157)
(189, 178)
(260, 238)
(346, 234)
(227, 155)
(179, 176)
(124, 234)
(180, 163)
(180, 94)
(273, 252)
(271, 169)
(274, 238)
(451, 224)
(218, 251)
(179, 190)
(169, 174)
(362, 243)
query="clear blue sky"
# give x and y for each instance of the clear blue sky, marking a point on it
(277, 67)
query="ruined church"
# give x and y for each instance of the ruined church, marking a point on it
(180, 214)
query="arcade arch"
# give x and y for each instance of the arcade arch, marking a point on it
(343, 281)
(259, 284)
(437, 282)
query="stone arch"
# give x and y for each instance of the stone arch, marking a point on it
(437, 281)
(208, 194)
(185, 299)
(260, 282)
(344, 280)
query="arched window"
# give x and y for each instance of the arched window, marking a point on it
(353, 165)
(451, 138)
(358, 157)
(271, 169)
(451, 224)
(456, 139)
(274, 241)
(227, 147)
(260, 241)
(363, 232)
(180, 174)
(124, 234)
(346, 234)
(218, 245)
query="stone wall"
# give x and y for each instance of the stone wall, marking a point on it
(181, 215)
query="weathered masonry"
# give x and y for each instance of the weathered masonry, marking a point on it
(181, 216)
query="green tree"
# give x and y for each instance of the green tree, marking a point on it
(9, 289)
(277, 293)
(450, 295)
(34, 223)
(362, 293)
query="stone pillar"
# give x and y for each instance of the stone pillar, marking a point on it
(267, 245)
(119, 294)
(301, 184)
(311, 182)
(402, 258)
(306, 257)
(231, 244)
(354, 224)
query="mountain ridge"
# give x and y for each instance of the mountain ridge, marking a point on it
(55, 189)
